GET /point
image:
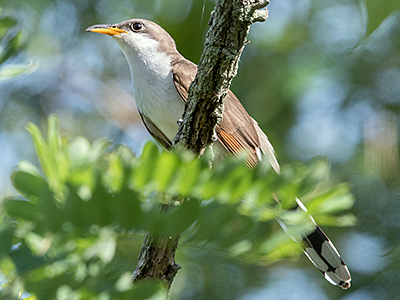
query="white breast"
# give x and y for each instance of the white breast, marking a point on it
(158, 99)
(154, 91)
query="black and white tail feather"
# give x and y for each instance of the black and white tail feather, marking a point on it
(316, 245)
(322, 253)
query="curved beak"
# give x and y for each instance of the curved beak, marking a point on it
(106, 29)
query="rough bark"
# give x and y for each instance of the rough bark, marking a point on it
(156, 259)
(229, 24)
(226, 38)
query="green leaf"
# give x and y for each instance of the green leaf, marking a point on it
(166, 168)
(100, 146)
(40, 144)
(279, 245)
(15, 70)
(53, 134)
(213, 216)
(28, 167)
(147, 163)
(379, 11)
(86, 212)
(84, 179)
(28, 184)
(126, 209)
(343, 221)
(75, 210)
(51, 154)
(54, 218)
(113, 176)
(180, 218)
(78, 150)
(145, 291)
(12, 46)
(187, 180)
(6, 23)
(241, 247)
(331, 201)
(24, 260)
(235, 182)
(6, 235)
(18, 208)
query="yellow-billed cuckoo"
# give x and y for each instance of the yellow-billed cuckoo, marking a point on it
(161, 78)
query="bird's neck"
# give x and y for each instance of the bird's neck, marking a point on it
(150, 68)
(147, 61)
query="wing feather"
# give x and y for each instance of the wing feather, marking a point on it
(156, 133)
(237, 132)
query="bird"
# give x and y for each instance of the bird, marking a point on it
(161, 77)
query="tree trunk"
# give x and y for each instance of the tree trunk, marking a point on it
(156, 259)
(229, 24)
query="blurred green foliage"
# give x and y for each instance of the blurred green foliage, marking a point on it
(60, 236)
(12, 41)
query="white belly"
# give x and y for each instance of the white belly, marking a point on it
(161, 103)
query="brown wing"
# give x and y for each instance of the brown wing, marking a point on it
(237, 131)
(156, 133)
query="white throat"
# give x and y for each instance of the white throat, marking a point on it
(153, 87)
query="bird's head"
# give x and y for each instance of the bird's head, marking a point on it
(139, 38)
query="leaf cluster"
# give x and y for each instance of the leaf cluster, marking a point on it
(62, 234)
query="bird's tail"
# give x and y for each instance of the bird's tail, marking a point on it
(322, 253)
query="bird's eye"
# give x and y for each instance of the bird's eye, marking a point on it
(137, 26)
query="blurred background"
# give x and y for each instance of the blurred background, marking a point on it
(322, 78)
